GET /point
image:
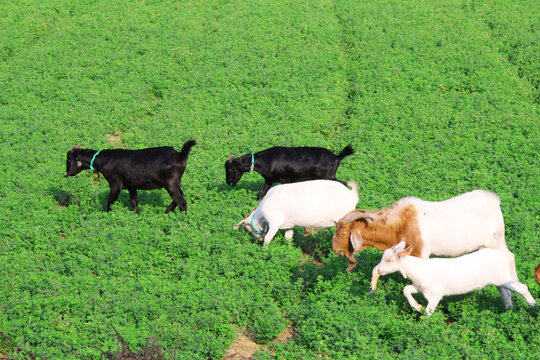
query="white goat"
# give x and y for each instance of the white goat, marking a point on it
(314, 203)
(438, 277)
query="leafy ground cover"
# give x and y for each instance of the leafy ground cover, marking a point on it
(437, 98)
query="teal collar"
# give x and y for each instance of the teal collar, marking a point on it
(252, 164)
(253, 227)
(92, 162)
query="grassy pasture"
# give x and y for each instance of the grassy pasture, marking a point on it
(438, 98)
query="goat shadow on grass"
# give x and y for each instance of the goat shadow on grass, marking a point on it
(320, 261)
(316, 243)
(61, 196)
(145, 197)
(484, 301)
(252, 185)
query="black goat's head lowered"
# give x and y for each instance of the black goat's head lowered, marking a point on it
(232, 173)
(78, 160)
(282, 164)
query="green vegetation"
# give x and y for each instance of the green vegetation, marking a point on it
(438, 98)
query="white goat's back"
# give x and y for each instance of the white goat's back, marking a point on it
(314, 203)
(465, 273)
(461, 224)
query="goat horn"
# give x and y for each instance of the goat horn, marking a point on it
(251, 212)
(356, 215)
(230, 158)
(76, 147)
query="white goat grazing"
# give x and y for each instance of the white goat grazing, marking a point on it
(314, 203)
(438, 277)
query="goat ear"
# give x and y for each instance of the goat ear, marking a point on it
(356, 240)
(245, 221)
(405, 252)
(400, 246)
(230, 159)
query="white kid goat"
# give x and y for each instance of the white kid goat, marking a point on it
(314, 203)
(438, 277)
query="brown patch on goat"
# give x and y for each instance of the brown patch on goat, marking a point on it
(410, 232)
(340, 241)
(537, 274)
(386, 228)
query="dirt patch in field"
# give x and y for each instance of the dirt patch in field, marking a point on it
(244, 347)
(115, 140)
(286, 335)
(5, 346)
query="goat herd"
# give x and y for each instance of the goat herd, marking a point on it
(310, 196)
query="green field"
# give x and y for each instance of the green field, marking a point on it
(437, 98)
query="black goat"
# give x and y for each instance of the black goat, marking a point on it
(145, 169)
(281, 164)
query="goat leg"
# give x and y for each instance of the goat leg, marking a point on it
(352, 263)
(374, 280)
(521, 289)
(171, 207)
(408, 291)
(134, 201)
(433, 301)
(178, 199)
(113, 196)
(267, 185)
(272, 231)
(506, 296)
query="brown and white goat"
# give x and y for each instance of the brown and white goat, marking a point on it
(445, 228)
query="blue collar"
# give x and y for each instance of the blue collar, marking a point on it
(92, 162)
(253, 227)
(252, 164)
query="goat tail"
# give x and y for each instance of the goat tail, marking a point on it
(353, 185)
(186, 148)
(347, 150)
